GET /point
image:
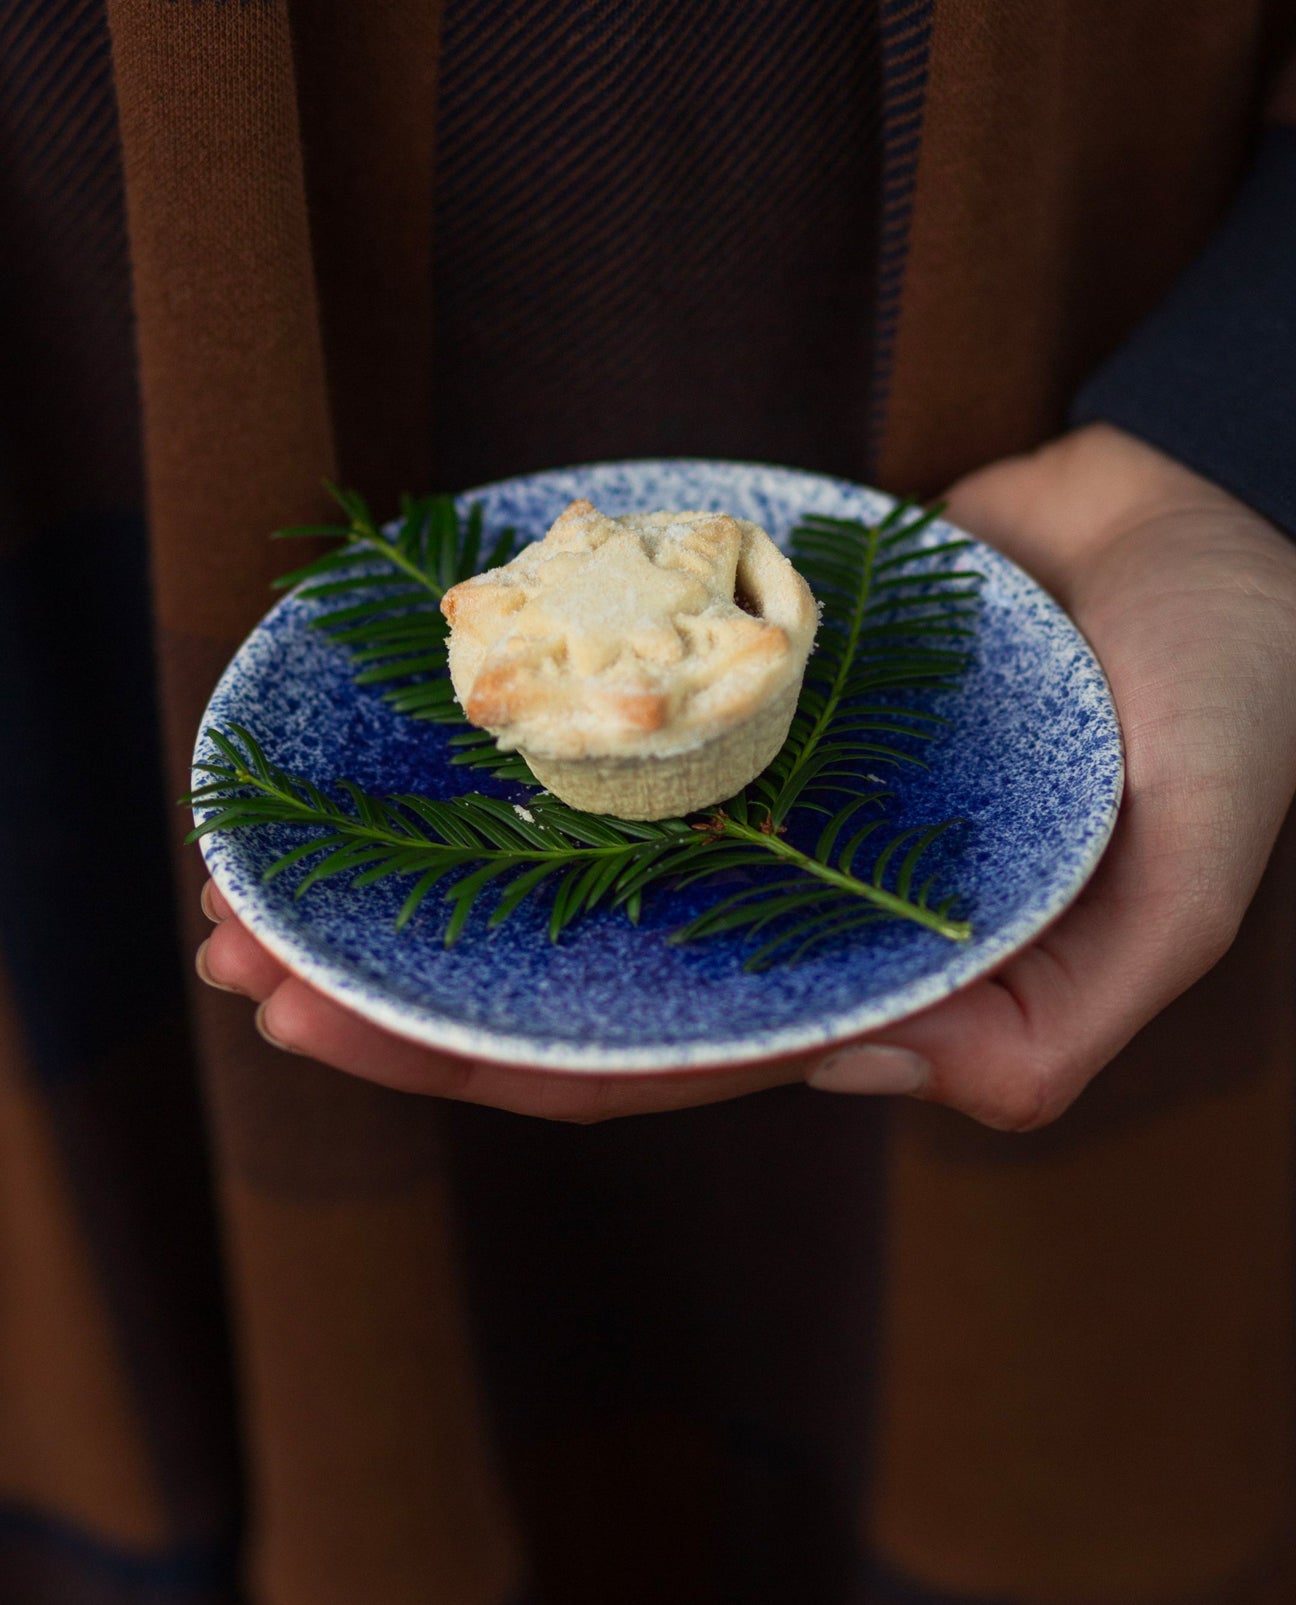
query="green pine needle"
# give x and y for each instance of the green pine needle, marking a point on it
(383, 596)
(896, 624)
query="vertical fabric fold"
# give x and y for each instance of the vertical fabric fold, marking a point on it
(369, 1475)
(1084, 1376)
(1110, 1414)
(366, 78)
(1057, 201)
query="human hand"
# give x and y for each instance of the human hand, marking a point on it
(1189, 600)
(298, 1019)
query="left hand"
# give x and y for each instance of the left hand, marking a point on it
(1189, 600)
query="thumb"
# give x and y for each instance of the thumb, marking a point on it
(1014, 1050)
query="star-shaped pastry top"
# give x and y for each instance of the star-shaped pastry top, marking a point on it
(627, 636)
(597, 605)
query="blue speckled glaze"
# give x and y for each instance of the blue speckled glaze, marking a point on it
(1032, 762)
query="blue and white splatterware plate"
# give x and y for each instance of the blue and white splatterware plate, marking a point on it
(1031, 760)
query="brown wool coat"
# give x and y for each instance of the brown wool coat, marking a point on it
(1081, 1358)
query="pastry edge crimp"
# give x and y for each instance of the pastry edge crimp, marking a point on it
(638, 714)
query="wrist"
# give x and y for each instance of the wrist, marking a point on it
(1060, 510)
(1106, 482)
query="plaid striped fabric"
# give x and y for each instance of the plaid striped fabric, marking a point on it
(658, 228)
(270, 1335)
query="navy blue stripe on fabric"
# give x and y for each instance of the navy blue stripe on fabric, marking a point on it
(40, 33)
(45, 1559)
(570, 127)
(1210, 377)
(655, 231)
(906, 41)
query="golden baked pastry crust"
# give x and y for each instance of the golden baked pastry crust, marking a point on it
(618, 642)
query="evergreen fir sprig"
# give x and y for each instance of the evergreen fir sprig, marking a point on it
(897, 621)
(824, 899)
(892, 627)
(380, 600)
(591, 859)
(588, 861)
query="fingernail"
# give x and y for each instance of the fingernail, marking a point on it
(260, 1022)
(875, 1069)
(206, 976)
(204, 902)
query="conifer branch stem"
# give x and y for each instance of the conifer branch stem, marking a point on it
(888, 902)
(366, 535)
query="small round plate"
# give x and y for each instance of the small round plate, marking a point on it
(1031, 761)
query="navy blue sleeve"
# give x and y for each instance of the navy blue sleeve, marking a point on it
(1210, 376)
